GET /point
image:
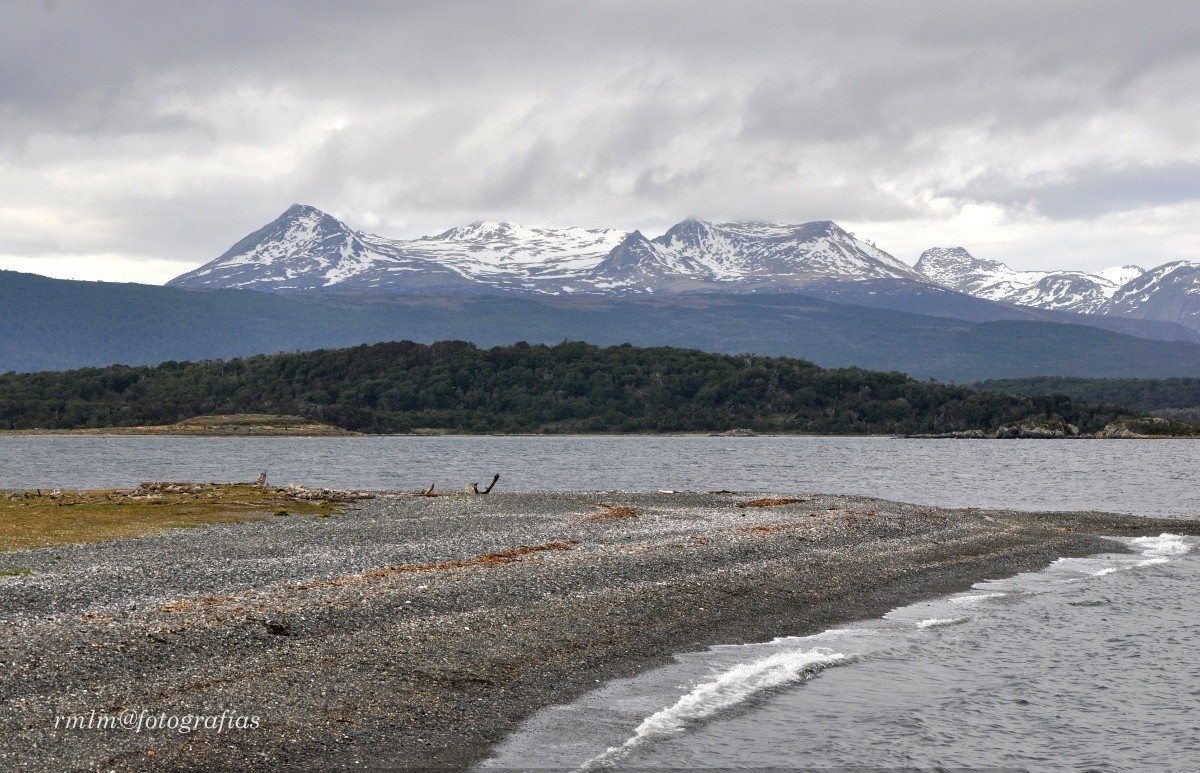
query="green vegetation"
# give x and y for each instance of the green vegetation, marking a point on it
(571, 387)
(38, 519)
(1172, 398)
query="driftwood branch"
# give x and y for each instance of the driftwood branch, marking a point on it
(473, 488)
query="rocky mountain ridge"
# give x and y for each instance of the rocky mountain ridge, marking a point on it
(305, 250)
(1170, 292)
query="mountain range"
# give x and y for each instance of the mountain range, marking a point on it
(1170, 292)
(306, 250)
(812, 291)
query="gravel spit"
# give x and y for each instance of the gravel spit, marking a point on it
(416, 632)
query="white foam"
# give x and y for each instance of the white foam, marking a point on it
(976, 598)
(727, 690)
(1103, 572)
(829, 633)
(938, 622)
(1162, 545)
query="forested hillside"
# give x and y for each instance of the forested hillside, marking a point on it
(1177, 398)
(571, 387)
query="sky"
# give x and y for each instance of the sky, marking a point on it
(139, 140)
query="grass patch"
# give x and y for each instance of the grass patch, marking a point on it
(38, 519)
(15, 572)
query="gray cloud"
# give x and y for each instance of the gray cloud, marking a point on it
(1092, 192)
(147, 131)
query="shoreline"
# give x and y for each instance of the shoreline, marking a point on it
(152, 431)
(169, 430)
(418, 632)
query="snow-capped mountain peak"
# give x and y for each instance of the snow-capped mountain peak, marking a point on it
(300, 229)
(306, 249)
(483, 230)
(751, 256)
(303, 242)
(958, 269)
(953, 266)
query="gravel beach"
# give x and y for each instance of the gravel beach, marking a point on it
(415, 632)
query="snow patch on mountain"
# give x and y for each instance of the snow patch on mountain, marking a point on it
(1120, 275)
(488, 249)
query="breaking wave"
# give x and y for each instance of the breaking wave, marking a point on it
(1161, 546)
(938, 622)
(723, 692)
(975, 598)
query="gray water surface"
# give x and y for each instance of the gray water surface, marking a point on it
(1088, 665)
(1153, 478)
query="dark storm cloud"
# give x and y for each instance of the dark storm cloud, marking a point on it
(174, 128)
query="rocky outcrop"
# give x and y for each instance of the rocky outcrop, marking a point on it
(1037, 429)
(1148, 427)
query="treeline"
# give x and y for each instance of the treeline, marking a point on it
(1143, 394)
(570, 387)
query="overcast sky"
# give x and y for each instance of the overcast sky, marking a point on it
(139, 140)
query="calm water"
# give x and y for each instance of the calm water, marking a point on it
(1147, 477)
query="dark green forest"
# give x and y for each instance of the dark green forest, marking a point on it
(570, 387)
(1144, 394)
(1176, 398)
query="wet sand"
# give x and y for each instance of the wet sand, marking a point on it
(412, 632)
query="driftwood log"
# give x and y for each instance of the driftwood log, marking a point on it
(473, 488)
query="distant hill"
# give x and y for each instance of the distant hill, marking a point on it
(570, 387)
(52, 324)
(932, 300)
